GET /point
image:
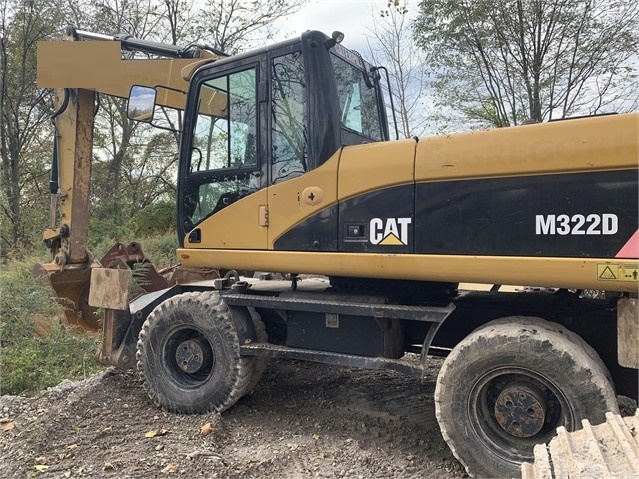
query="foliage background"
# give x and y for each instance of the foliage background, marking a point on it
(497, 63)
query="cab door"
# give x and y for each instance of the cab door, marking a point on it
(222, 187)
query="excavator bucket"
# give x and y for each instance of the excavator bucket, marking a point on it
(71, 282)
(71, 287)
(146, 277)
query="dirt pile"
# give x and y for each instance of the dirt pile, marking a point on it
(302, 420)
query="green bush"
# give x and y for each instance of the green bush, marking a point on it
(161, 249)
(154, 219)
(102, 232)
(36, 350)
(22, 299)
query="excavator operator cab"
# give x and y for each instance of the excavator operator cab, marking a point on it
(261, 118)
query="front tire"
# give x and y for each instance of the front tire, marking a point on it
(260, 363)
(509, 385)
(188, 355)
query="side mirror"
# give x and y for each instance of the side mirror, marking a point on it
(141, 103)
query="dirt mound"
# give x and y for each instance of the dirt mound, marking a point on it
(302, 420)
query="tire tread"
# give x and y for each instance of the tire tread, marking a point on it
(211, 306)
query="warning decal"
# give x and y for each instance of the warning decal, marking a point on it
(606, 272)
(618, 272)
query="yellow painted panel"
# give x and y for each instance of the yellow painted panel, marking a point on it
(235, 227)
(98, 65)
(572, 273)
(596, 143)
(373, 166)
(287, 207)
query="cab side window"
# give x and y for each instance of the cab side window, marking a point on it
(357, 100)
(289, 151)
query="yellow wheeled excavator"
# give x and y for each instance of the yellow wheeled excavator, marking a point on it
(286, 166)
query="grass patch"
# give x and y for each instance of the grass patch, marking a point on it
(33, 364)
(36, 350)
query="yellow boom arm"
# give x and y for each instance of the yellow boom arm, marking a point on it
(77, 70)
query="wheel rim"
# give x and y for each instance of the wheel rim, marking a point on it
(513, 409)
(188, 357)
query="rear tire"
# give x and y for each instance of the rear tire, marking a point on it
(509, 385)
(188, 355)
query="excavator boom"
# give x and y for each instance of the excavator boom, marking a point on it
(78, 71)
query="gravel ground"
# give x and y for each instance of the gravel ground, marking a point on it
(303, 420)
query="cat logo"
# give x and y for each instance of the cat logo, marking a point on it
(391, 232)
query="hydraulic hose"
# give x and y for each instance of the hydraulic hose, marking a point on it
(54, 181)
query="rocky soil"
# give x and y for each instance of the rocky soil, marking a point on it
(303, 420)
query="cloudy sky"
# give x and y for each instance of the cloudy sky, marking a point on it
(351, 17)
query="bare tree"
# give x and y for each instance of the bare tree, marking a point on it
(506, 62)
(231, 25)
(22, 116)
(390, 43)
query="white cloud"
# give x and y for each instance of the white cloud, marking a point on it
(351, 17)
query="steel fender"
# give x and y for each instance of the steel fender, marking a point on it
(244, 325)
